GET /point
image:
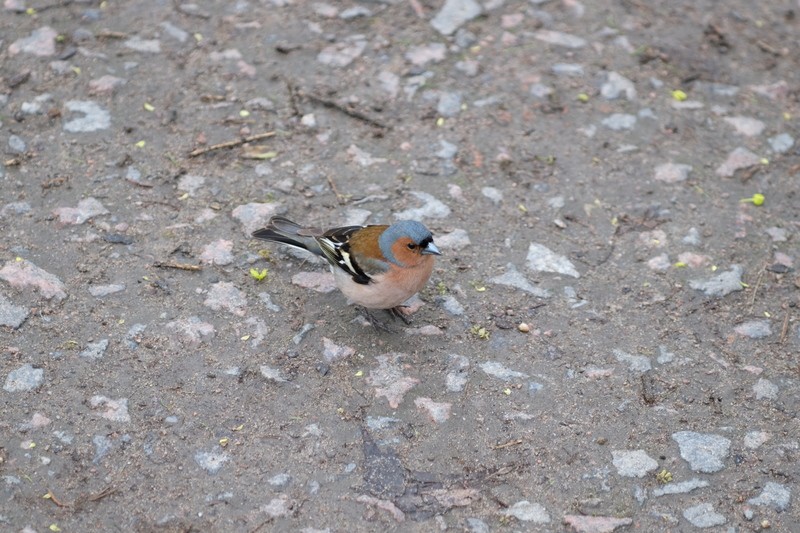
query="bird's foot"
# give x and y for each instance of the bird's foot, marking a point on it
(376, 322)
(397, 312)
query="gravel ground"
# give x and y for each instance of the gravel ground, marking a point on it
(608, 343)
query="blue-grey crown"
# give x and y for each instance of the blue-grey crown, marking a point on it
(416, 231)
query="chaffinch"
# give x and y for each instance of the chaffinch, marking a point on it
(376, 267)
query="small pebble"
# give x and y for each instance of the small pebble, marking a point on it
(523, 327)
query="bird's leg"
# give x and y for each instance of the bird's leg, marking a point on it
(377, 323)
(396, 312)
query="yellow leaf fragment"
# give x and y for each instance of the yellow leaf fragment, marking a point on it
(258, 275)
(679, 95)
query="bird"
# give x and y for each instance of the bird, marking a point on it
(376, 267)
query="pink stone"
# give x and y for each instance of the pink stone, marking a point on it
(438, 412)
(23, 274)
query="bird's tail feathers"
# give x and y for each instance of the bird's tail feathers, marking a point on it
(282, 230)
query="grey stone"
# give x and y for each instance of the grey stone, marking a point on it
(16, 145)
(497, 370)
(432, 208)
(175, 32)
(211, 461)
(781, 143)
(102, 445)
(692, 237)
(458, 367)
(95, 117)
(450, 304)
(619, 121)
(98, 291)
(23, 379)
(526, 511)
(492, 194)
(449, 104)
(513, 278)
(664, 356)
(476, 525)
(764, 389)
(454, 14)
(617, 85)
(560, 39)
(682, 487)
(567, 69)
(704, 452)
(633, 463)
(773, 495)
(636, 363)
(721, 284)
(703, 516)
(755, 329)
(147, 46)
(95, 350)
(542, 259)
(11, 315)
(540, 90)
(298, 338)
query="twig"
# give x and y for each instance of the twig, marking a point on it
(159, 202)
(766, 47)
(785, 328)
(108, 491)
(755, 289)
(45, 7)
(231, 144)
(292, 98)
(179, 266)
(140, 183)
(354, 113)
(55, 500)
(501, 471)
(339, 196)
(108, 34)
(507, 444)
(261, 525)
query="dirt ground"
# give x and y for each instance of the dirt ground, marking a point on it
(609, 341)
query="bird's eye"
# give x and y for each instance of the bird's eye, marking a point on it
(411, 246)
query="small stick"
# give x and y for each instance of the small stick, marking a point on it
(55, 500)
(339, 197)
(179, 266)
(346, 110)
(755, 290)
(231, 144)
(292, 98)
(108, 491)
(108, 34)
(785, 328)
(507, 444)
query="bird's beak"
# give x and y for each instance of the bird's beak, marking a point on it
(431, 249)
